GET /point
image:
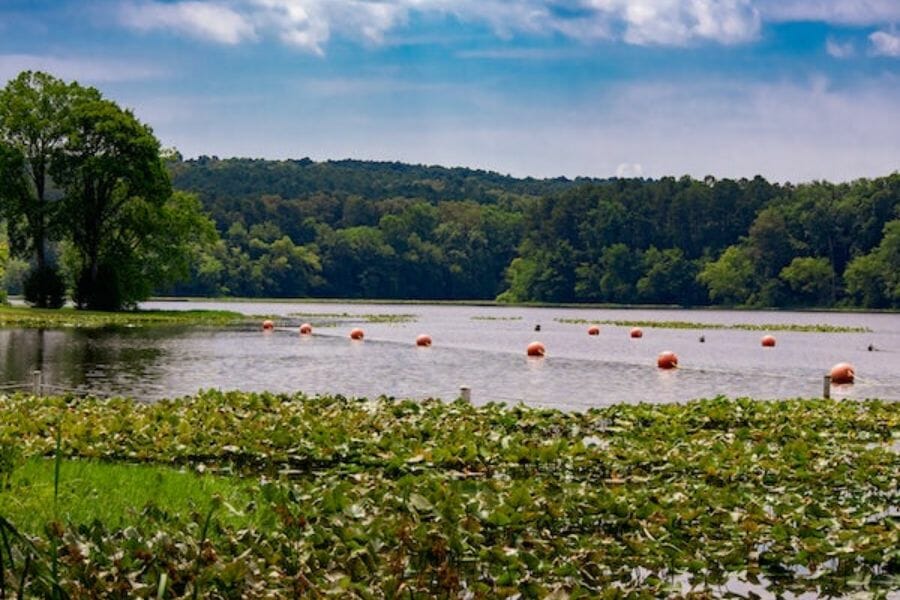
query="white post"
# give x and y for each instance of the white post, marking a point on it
(465, 392)
(36, 382)
(826, 387)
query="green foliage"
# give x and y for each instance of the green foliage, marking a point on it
(811, 279)
(42, 318)
(77, 168)
(873, 279)
(730, 278)
(10, 457)
(4, 261)
(387, 498)
(44, 287)
(35, 125)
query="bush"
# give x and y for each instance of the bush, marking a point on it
(45, 288)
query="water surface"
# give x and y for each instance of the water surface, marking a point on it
(487, 355)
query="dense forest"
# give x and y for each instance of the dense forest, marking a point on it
(353, 229)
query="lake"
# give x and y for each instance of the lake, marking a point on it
(480, 347)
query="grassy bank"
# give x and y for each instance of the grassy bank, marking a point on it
(19, 316)
(386, 498)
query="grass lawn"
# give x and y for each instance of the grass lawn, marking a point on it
(117, 494)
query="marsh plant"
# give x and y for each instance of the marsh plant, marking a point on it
(387, 498)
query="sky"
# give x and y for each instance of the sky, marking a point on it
(794, 90)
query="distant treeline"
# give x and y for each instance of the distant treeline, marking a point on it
(353, 229)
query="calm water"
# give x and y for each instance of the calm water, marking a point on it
(487, 355)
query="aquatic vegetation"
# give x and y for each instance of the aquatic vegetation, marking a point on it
(797, 327)
(330, 319)
(383, 498)
(491, 318)
(17, 316)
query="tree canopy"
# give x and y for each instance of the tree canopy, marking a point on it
(76, 168)
(384, 230)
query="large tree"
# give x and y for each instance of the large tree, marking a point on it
(77, 168)
(35, 112)
(127, 231)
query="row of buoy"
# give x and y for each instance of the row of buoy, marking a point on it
(841, 373)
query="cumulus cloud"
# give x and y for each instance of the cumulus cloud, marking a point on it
(885, 44)
(628, 170)
(205, 20)
(839, 49)
(310, 24)
(838, 12)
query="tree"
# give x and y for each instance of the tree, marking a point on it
(874, 278)
(35, 122)
(116, 199)
(811, 279)
(668, 278)
(730, 278)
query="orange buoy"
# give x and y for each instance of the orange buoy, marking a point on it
(306, 329)
(637, 332)
(536, 349)
(667, 360)
(843, 373)
(423, 340)
(594, 330)
(768, 341)
(357, 334)
(268, 325)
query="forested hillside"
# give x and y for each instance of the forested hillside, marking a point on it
(357, 229)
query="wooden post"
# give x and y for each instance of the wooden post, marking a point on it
(465, 392)
(826, 387)
(36, 382)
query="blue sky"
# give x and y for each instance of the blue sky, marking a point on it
(791, 89)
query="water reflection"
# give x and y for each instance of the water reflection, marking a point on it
(488, 356)
(108, 359)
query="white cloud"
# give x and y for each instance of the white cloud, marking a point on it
(629, 170)
(310, 24)
(205, 20)
(838, 49)
(679, 22)
(885, 44)
(839, 12)
(84, 69)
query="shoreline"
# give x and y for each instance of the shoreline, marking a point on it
(495, 304)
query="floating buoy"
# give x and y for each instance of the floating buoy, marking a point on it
(306, 329)
(423, 340)
(536, 349)
(268, 325)
(594, 330)
(357, 334)
(768, 341)
(843, 373)
(637, 332)
(667, 360)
